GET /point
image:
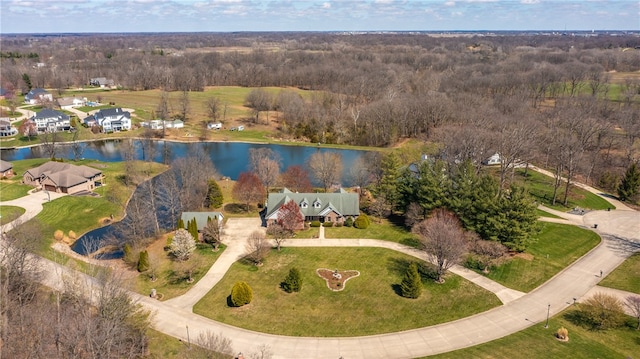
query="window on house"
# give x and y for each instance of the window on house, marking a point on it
(316, 204)
(304, 204)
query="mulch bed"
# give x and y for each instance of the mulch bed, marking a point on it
(336, 280)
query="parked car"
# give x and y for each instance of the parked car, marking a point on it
(233, 129)
(240, 128)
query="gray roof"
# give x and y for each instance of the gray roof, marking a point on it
(64, 174)
(49, 113)
(318, 204)
(108, 112)
(5, 166)
(35, 94)
(201, 218)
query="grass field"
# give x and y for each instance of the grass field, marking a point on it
(171, 275)
(385, 230)
(369, 303)
(542, 213)
(12, 188)
(537, 342)
(10, 213)
(626, 276)
(541, 188)
(558, 245)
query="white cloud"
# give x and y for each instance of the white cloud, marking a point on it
(450, 3)
(326, 5)
(529, 2)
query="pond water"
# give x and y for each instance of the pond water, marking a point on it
(229, 158)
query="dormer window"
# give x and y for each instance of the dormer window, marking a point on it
(304, 204)
(317, 203)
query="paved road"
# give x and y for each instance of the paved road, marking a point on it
(174, 317)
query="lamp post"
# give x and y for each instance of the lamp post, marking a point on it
(548, 309)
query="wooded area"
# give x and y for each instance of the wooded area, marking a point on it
(569, 103)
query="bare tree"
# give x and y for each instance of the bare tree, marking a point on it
(296, 179)
(77, 147)
(265, 163)
(248, 188)
(212, 346)
(185, 105)
(633, 303)
(326, 167)
(257, 247)
(212, 233)
(443, 239)
(213, 106)
(50, 140)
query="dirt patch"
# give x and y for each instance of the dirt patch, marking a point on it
(525, 256)
(336, 280)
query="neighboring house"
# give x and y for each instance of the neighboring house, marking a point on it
(37, 95)
(67, 103)
(158, 124)
(6, 169)
(6, 129)
(111, 120)
(49, 120)
(201, 218)
(496, 159)
(214, 126)
(324, 207)
(103, 82)
(63, 177)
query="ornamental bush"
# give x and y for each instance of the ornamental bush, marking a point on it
(143, 262)
(411, 285)
(349, 222)
(362, 222)
(293, 281)
(327, 224)
(241, 294)
(315, 224)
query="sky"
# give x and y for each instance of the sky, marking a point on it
(54, 16)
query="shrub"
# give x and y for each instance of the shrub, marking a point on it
(603, 311)
(72, 235)
(182, 245)
(143, 262)
(349, 222)
(338, 224)
(58, 235)
(562, 334)
(327, 224)
(411, 285)
(293, 281)
(241, 294)
(362, 222)
(315, 224)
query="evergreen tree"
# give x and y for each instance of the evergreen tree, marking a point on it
(293, 281)
(180, 224)
(362, 222)
(516, 219)
(241, 294)
(630, 186)
(390, 167)
(214, 197)
(128, 256)
(411, 285)
(192, 227)
(143, 262)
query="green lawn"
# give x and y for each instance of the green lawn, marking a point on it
(542, 213)
(369, 303)
(541, 188)
(626, 276)
(384, 230)
(172, 277)
(12, 190)
(10, 213)
(558, 245)
(537, 342)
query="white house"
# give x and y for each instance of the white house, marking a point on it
(6, 129)
(67, 103)
(111, 120)
(37, 95)
(51, 121)
(103, 82)
(496, 159)
(214, 126)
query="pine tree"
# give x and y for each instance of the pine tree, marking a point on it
(143, 262)
(180, 224)
(214, 197)
(192, 227)
(293, 281)
(411, 285)
(630, 185)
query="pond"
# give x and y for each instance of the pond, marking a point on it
(229, 158)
